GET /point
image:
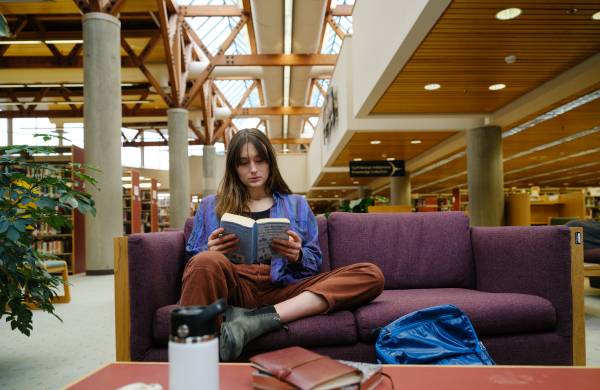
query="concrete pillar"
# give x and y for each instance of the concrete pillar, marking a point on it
(102, 136)
(485, 176)
(400, 190)
(208, 170)
(9, 131)
(364, 192)
(179, 169)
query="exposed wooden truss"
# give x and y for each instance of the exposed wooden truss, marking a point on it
(276, 141)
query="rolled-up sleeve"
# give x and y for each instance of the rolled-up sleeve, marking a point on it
(198, 241)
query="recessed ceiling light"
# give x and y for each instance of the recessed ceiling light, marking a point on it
(375, 142)
(415, 141)
(333, 182)
(390, 158)
(496, 87)
(596, 16)
(357, 159)
(508, 13)
(432, 87)
(384, 155)
(510, 59)
(565, 184)
(355, 182)
(320, 196)
(337, 195)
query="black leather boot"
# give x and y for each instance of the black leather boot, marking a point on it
(245, 327)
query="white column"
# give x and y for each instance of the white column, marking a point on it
(9, 131)
(179, 170)
(102, 136)
(208, 170)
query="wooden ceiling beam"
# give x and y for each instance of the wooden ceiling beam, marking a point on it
(168, 48)
(222, 60)
(261, 111)
(335, 27)
(250, 25)
(196, 131)
(22, 23)
(145, 71)
(31, 92)
(221, 130)
(275, 60)
(197, 86)
(324, 25)
(150, 45)
(78, 34)
(210, 10)
(342, 10)
(275, 141)
(114, 7)
(65, 94)
(161, 112)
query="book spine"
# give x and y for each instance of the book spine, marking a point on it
(254, 257)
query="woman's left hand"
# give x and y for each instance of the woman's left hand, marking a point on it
(290, 248)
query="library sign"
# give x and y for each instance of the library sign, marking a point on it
(376, 168)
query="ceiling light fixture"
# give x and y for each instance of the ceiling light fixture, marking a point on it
(333, 182)
(375, 142)
(510, 59)
(596, 16)
(432, 87)
(508, 13)
(415, 141)
(390, 158)
(357, 159)
(355, 182)
(19, 42)
(59, 41)
(12, 85)
(496, 87)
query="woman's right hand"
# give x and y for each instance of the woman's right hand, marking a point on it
(222, 243)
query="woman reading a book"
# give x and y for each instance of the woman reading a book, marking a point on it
(265, 295)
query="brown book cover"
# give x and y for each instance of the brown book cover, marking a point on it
(298, 368)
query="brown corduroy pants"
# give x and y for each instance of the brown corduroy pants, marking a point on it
(209, 276)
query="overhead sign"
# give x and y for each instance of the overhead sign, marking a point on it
(376, 168)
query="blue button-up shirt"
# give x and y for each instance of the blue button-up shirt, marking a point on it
(302, 220)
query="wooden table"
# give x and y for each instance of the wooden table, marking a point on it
(237, 377)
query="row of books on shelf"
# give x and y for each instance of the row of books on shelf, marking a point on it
(53, 247)
(44, 229)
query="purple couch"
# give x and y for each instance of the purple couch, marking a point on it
(513, 282)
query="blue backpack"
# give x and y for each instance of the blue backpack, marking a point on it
(435, 335)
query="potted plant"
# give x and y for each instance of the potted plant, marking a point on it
(32, 193)
(361, 205)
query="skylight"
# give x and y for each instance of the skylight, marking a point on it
(234, 90)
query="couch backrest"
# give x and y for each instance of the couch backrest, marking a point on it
(187, 228)
(414, 250)
(324, 243)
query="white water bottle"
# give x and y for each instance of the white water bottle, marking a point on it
(194, 347)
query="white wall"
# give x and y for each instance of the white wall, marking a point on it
(293, 170)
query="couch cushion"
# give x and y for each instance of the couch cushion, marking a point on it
(306, 332)
(323, 243)
(414, 250)
(490, 313)
(592, 256)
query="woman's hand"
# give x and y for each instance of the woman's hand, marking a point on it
(222, 243)
(290, 248)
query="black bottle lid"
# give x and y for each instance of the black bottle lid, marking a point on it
(196, 321)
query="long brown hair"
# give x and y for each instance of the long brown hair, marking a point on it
(233, 196)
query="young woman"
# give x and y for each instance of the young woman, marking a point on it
(265, 296)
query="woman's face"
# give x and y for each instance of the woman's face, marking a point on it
(253, 171)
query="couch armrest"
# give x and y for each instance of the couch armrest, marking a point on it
(546, 261)
(148, 270)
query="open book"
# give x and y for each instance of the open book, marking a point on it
(255, 237)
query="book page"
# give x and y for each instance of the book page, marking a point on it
(267, 230)
(245, 252)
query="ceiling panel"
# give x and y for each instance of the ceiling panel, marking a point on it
(465, 53)
(393, 145)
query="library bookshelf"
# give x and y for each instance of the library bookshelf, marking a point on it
(68, 244)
